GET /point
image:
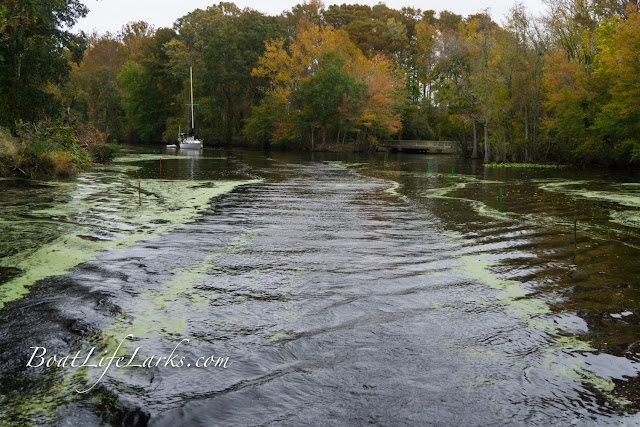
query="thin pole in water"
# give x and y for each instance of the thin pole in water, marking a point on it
(385, 157)
(191, 79)
(160, 167)
(428, 168)
(452, 172)
(575, 233)
(139, 193)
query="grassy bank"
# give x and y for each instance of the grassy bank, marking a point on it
(49, 149)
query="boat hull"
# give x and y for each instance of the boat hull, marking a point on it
(191, 145)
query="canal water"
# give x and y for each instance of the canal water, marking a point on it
(243, 288)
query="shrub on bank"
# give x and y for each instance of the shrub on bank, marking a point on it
(51, 149)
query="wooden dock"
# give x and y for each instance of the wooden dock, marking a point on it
(444, 147)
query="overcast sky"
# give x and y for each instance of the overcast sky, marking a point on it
(111, 15)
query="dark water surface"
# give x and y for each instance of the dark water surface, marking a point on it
(342, 290)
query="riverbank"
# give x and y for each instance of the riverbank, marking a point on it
(50, 149)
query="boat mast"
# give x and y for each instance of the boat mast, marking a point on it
(191, 78)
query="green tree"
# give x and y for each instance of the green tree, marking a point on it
(3, 21)
(325, 97)
(149, 89)
(35, 53)
(142, 103)
(230, 57)
(224, 45)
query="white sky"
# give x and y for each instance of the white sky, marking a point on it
(111, 15)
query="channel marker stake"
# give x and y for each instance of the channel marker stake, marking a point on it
(385, 157)
(451, 172)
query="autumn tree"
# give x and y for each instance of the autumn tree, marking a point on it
(617, 126)
(299, 82)
(464, 81)
(525, 48)
(455, 74)
(92, 94)
(484, 41)
(308, 10)
(432, 70)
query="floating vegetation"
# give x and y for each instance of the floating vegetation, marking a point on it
(343, 165)
(126, 158)
(626, 218)
(511, 294)
(100, 213)
(622, 194)
(523, 165)
(533, 310)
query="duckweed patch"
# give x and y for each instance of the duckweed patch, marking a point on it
(105, 206)
(530, 309)
(627, 218)
(523, 165)
(620, 194)
(173, 303)
(344, 165)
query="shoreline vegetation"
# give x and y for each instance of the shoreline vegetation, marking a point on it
(560, 88)
(49, 149)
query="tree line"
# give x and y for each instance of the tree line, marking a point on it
(562, 87)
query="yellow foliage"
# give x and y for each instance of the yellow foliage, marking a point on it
(284, 68)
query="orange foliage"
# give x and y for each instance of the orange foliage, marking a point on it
(286, 67)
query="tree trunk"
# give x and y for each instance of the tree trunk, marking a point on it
(526, 133)
(504, 150)
(485, 76)
(487, 148)
(474, 153)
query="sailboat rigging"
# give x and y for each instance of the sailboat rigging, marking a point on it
(188, 140)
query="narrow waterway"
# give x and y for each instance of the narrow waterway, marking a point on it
(322, 289)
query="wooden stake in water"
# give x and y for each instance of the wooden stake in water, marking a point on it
(428, 168)
(575, 233)
(501, 200)
(385, 157)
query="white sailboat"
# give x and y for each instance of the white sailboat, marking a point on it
(188, 140)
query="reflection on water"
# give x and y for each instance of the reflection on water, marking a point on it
(340, 288)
